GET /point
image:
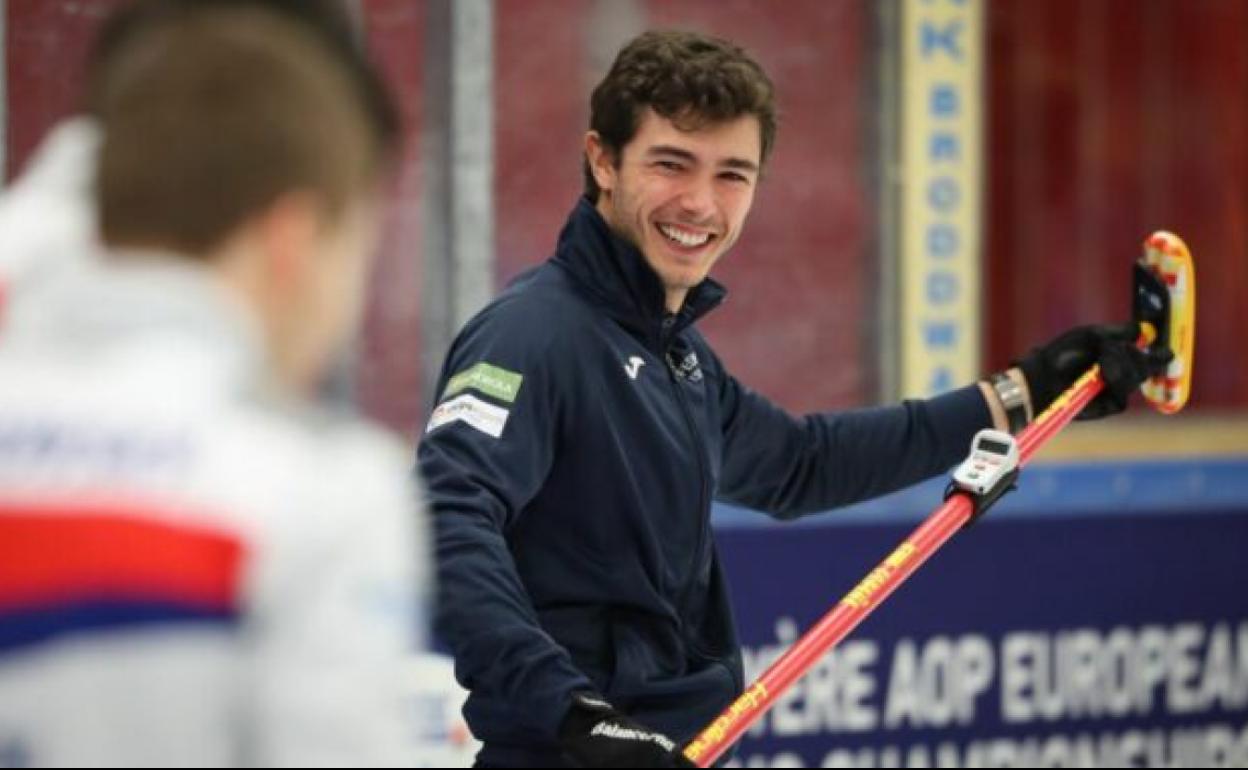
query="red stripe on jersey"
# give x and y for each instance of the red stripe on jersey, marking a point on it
(56, 555)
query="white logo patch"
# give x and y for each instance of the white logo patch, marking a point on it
(487, 418)
(633, 367)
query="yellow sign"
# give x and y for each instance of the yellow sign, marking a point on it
(942, 66)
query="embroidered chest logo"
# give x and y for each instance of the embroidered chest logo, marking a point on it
(686, 368)
(633, 367)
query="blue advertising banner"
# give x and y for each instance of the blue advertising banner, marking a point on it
(1091, 621)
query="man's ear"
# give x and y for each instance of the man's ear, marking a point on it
(602, 162)
(288, 232)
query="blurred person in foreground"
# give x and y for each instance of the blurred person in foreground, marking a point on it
(197, 566)
(584, 426)
(48, 218)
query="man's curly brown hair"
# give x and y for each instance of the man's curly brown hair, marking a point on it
(689, 78)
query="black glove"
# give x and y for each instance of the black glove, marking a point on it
(596, 735)
(1050, 370)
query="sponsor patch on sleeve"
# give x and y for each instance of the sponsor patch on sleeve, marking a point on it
(487, 418)
(493, 381)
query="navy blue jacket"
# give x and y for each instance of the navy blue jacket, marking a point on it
(580, 437)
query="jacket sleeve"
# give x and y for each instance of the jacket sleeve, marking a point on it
(789, 466)
(487, 449)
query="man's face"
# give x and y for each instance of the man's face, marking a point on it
(680, 196)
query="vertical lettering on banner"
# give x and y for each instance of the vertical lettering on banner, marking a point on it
(942, 57)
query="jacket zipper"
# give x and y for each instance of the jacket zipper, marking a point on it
(703, 492)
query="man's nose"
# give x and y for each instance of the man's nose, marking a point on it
(697, 200)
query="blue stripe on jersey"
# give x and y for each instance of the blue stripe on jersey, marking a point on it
(22, 628)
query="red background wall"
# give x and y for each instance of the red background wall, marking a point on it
(1109, 120)
(1106, 120)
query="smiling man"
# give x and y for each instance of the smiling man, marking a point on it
(679, 190)
(584, 426)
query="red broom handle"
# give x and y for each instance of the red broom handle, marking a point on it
(896, 568)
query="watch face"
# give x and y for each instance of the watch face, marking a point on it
(1009, 392)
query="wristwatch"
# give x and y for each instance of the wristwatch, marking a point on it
(1012, 400)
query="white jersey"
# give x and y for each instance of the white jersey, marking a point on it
(191, 572)
(47, 218)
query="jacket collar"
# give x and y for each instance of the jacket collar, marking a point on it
(614, 272)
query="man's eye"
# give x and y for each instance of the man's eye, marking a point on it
(669, 165)
(733, 176)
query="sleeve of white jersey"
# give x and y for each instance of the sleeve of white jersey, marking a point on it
(346, 617)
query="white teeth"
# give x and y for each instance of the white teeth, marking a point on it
(684, 238)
